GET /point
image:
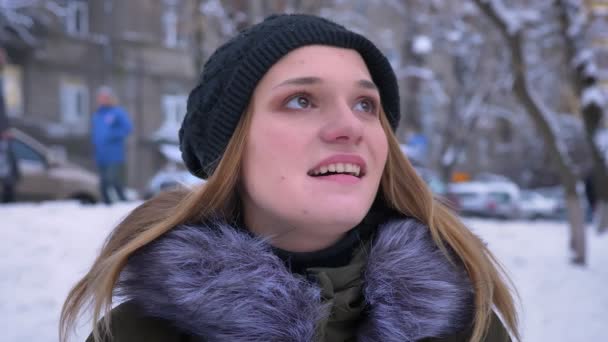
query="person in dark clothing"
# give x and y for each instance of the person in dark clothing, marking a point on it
(9, 168)
(590, 195)
(110, 128)
(312, 226)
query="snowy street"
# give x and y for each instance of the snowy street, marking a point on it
(45, 248)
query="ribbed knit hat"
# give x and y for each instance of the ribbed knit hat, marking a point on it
(231, 74)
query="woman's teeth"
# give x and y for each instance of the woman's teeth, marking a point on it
(351, 169)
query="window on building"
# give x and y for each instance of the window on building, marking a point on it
(12, 87)
(173, 27)
(170, 27)
(77, 17)
(75, 105)
(174, 107)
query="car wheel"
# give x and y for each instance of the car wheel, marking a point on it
(84, 199)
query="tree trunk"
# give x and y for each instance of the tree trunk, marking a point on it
(592, 115)
(601, 216)
(198, 37)
(446, 169)
(411, 120)
(448, 140)
(540, 117)
(255, 10)
(577, 229)
(599, 176)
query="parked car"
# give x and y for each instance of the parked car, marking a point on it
(488, 177)
(49, 175)
(487, 199)
(170, 178)
(534, 205)
(556, 193)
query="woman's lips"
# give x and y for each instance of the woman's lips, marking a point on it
(340, 179)
(348, 164)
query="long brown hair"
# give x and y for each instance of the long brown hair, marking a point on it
(402, 190)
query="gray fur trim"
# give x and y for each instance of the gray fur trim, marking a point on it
(411, 287)
(223, 284)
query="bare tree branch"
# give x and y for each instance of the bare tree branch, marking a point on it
(504, 20)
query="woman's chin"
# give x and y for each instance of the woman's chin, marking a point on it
(337, 220)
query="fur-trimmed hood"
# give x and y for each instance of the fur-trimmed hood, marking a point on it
(221, 283)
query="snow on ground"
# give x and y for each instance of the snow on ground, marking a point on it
(45, 248)
(560, 301)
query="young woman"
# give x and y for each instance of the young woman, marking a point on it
(312, 225)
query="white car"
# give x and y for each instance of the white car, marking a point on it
(168, 179)
(534, 205)
(488, 199)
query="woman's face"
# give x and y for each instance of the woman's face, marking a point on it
(316, 149)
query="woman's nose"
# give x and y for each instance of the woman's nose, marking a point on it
(343, 125)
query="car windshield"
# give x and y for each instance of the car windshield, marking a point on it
(466, 195)
(499, 197)
(24, 152)
(529, 196)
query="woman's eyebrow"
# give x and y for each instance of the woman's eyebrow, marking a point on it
(300, 81)
(316, 80)
(367, 84)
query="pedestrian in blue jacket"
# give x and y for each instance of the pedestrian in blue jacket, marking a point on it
(110, 128)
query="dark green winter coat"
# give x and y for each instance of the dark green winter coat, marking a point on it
(128, 324)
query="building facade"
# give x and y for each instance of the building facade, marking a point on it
(138, 47)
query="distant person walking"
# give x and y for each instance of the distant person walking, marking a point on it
(591, 197)
(110, 128)
(9, 170)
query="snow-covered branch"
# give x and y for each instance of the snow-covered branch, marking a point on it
(17, 4)
(415, 71)
(12, 20)
(577, 17)
(542, 116)
(594, 95)
(514, 20)
(215, 9)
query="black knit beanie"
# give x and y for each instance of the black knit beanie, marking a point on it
(231, 74)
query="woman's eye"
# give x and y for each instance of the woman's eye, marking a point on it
(366, 105)
(299, 102)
